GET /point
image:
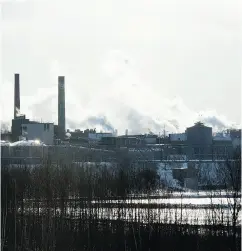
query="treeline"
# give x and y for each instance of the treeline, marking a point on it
(54, 185)
(35, 211)
(62, 181)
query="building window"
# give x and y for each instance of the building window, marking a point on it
(46, 127)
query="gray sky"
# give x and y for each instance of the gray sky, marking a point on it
(135, 64)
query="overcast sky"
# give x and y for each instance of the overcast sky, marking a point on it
(133, 64)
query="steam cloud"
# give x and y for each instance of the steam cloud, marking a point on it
(102, 122)
(5, 127)
(121, 101)
(18, 113)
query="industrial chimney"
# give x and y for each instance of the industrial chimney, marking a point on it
(61, 108)
(16, 95)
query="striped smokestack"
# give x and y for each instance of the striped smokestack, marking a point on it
(61, 108)
(16, 95)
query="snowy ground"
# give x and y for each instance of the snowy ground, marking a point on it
(211, 173)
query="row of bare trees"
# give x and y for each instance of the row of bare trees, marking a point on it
(52, 181)
(49, 187)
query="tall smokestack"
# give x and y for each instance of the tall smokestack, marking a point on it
(16, 95)
(61, 107)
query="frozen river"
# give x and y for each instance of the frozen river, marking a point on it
(159, 215)
(188, 209)
(175, 201)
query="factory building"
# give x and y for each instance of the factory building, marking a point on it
(122, 141)
(222, 149)
(199, 141)
(6, 136)
(199, 134)
(236, 142)
(235, 136)
(150, 139)
(177, 137)
(39, 131)
(23, 128)
(31, 130)
(196, 143)
(96, 137)
(16, 127)
(235, 133)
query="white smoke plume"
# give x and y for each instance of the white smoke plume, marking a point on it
(121, 100)
(100, 121)
(5, 127)
(18, 112)
(68, 135)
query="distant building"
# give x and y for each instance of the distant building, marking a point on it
(109, 142)
(235, 133)
(56, 131)
(39, 131)
(16, 127)
(6, 136)
(178, 137)
(199, 134)
(150, 139)
(31, 130)
(128, 141)
(199, 141)
(162, 140)
(98, 136)
(224, 144)
(87, 136)
(236, 142)
(222, 149)
(121, 141)
(222, 137)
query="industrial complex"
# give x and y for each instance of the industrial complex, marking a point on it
(30, 142)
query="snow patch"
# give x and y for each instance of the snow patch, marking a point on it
(211, 173)
(23, 143)
(166, 176)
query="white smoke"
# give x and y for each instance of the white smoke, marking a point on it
(68, 135)
(18, 112)
(121, 100)
(5, 127)
(218, 122)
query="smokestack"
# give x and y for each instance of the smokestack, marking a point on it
(16, 95)
(61, 108)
